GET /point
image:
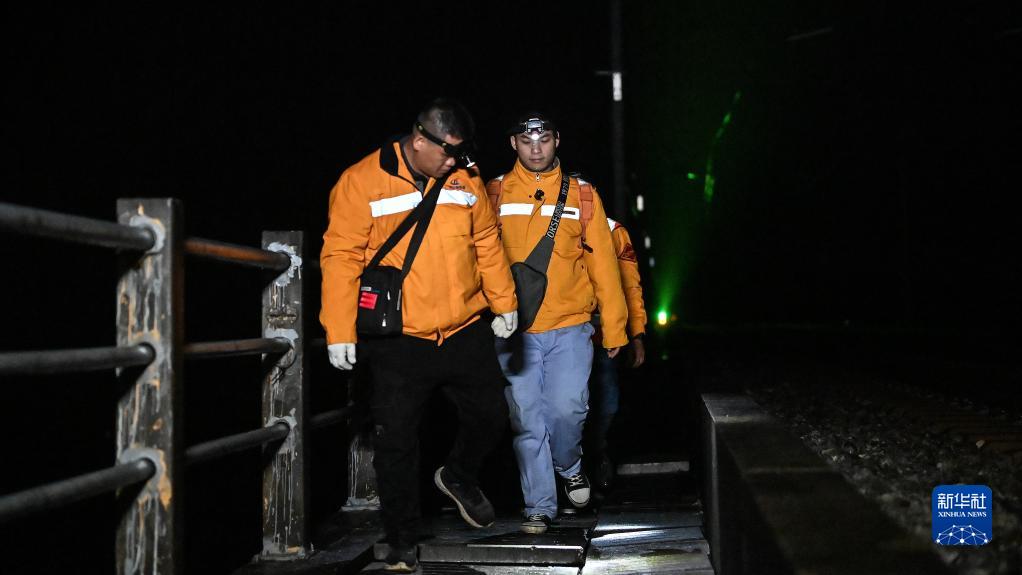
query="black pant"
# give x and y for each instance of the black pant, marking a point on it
(406, 370)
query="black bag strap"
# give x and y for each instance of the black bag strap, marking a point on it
(420, 228)
(539, 257)
(421, 213)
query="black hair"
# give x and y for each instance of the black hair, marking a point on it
(446, 117)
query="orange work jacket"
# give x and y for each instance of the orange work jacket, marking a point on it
(460, 268)
(628, 266)
(579, 278)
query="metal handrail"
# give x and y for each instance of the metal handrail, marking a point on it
(74, 360)
(239, 442)
(327, 418)
(78, 229)
(236, 347)
(234, 443)
(62, 493)
(157, 289)
(237, 254)
(68, 491)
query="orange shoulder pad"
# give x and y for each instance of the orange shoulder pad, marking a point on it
(494, 189)
(585, 200)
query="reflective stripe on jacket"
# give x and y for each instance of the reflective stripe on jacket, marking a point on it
(460, 268)
(578, 280)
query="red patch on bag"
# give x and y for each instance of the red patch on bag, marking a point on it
(367, 300)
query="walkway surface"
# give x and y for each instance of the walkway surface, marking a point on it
(649, 523)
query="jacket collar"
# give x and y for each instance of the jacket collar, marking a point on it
(393, 162)
(389, 158)
(552, 177)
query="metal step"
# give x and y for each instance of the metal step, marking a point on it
(676, 557)
(377, 568)
(692, 537)
(627, 520)
(558, 546)
(652, 468)
(639, 538)
(677, 550)
(503, 543)
(650, 524)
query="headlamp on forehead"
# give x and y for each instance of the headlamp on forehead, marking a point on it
(534, 128)
(461, 152)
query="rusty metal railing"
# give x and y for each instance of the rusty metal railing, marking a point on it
(68, 491)
(74, 360)
(150, 454)
(237, 347)
(236, 254)
(47, 224)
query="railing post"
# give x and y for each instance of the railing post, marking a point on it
(362, 492)
(284, 482)
(150, 310)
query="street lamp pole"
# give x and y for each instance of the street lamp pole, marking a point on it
(617, 129)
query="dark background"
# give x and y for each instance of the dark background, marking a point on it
(864, 184)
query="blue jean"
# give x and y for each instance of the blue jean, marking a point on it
(548, 400)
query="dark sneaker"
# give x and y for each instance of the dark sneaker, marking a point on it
(401, 559)
(577, 489)
(475, 509)
(536, 523)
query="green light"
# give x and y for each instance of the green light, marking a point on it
(661, 317)
(691, 176)
(708, 180)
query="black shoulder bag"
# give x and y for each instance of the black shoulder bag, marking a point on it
(530, 275)
(379, 292)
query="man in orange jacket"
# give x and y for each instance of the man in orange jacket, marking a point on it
(548, 365)
(605, 394)
(459, 271)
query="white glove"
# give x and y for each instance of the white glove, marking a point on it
(342, 355)
(504, 324)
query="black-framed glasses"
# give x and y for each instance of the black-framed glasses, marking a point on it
(460, 151)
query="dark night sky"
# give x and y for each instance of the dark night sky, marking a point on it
(864, 176)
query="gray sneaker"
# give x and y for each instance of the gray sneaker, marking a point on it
(577, 489)
(536, 523)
